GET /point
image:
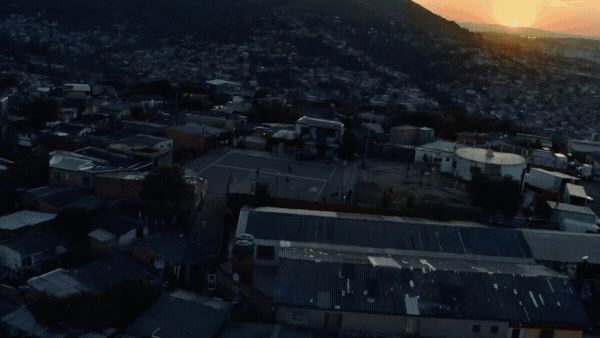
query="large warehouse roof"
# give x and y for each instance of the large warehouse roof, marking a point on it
(380, 232)
(430, 289)
(489, 156)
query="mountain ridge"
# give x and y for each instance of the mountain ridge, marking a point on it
(523, 31)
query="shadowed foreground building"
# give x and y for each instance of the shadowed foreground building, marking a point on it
(405, 277)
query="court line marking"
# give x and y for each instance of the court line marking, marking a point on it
(271, 173)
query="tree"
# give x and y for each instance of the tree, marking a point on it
(496, 195)
(165, 187)
(387, 198)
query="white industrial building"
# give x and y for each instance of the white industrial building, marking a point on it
(471, 161)
(440, 153)
(548, 180)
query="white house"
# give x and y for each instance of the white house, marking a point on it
(440, 153)
(29, 253)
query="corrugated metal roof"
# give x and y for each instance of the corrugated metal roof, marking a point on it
(24, 218)
(421, 291)
(173, 317)
(565, 247)
(380, 232)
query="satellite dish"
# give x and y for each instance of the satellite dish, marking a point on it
(236, 277)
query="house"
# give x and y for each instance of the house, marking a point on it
(128, 185)
(73, 129)
(147, 148)
(411, 135)
(22, 323)
(143, 127)
(55, 199)
(547, 180)
(548, 159)
(224, 86)
(25, 219)
(94, 278)
(80, 168)
(218, 119)
(576, 195)
(81, 88)
(438, 153)
(149, 102)
(197, 137)
(534, 140)
(115, 111)
(120, 220)
(319, 137)
(179, 260)
(573, 218)
(30, 252)
(582, 148)
(181, 314)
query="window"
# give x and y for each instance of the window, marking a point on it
(476, 328)
(547, 334)
(86, 181)
(265, 252)
(494, 329)
(516, 333)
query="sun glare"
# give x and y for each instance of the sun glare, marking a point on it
(516, 13)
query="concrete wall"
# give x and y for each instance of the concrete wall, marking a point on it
(392, 325)
(71, 178)
(463, 169)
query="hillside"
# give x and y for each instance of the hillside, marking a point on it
(166, 16)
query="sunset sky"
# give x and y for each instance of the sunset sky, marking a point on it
(580, 17)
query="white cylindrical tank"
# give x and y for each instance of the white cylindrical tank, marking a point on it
(470, 161)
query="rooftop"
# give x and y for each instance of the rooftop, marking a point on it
(141, 140)
(427, 290)
(443, 146)
(380, 232)
(560, 246)
(571, 208)
(176, 317)
(489, 156)
(556, 174)
(33, 242)
(577, 191)
(320, 123)
(24, 218)
(199, 129)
